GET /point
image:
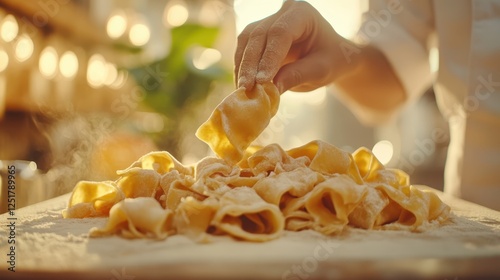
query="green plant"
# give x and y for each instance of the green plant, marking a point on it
(181, 84)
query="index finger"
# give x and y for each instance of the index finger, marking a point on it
(242, 42)
(250, 47)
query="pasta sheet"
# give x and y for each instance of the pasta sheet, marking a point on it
(255, 193)
(238, 120)
(316, 186)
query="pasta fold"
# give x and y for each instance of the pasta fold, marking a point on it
(142, 217)
(331, 202)
(245, 215)
(92, 199)
(328, 159)
(255, 193)
(238, 120)
(138, 182)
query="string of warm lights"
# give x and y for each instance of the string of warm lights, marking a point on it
(52, 62)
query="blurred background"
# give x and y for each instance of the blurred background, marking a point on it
(88, 86)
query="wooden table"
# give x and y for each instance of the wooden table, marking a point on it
(50, 247)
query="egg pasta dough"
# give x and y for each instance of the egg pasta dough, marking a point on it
(255, 193)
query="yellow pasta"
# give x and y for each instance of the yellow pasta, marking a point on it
(161, 161)
(245, 215)
(138, 182)
(372, 170)
(332, 201)
(368, 212)
(255, 193)
(137, 218)
(238, 120)
(279, 188)
(328, 159)
(194, 217)
(92, 199)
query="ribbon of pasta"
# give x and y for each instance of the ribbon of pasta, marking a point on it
(137, 218)
(92, 199)
(254, 193)
(238, 120)
(328, 159)
(244, 214)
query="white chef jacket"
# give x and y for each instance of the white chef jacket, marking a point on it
(467, 84)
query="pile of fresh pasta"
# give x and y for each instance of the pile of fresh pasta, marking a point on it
(254, 193)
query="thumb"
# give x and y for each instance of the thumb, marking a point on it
(305, 74)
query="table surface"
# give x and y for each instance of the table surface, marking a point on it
(50, 247)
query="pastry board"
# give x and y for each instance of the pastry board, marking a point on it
(48, 246)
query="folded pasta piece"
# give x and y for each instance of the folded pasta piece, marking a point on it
(160, 161)
(193, 217)
(92, 199)
(411, 209)
(438, 211)
(214, 176)
(242, 179)
(209, 166)
(266, 159)
(218, 185)
(367, 163)
(138, 182)
(298, 220)
(141, 217)
(238, 120)
(331, 202)
(367, 213)
(273, 158)
(328, 159)
(176, 186)
(175, 179)
(295, 183)
(372, 170)
(243, 164)
(245, 215)
(395, 177)
(295, 213)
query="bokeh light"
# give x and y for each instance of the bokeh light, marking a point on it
(48, 62)
(384, 151)
(139, 34)
(205, 57)
(9, 28)
(121, 79)
(68, 64)
(175, 14)
(4, 60)
(117, 24)
(24, 48)
(111, 74)
(96, 71)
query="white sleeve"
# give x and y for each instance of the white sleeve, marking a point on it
(401, 31)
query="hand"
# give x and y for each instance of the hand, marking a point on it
(296, 48)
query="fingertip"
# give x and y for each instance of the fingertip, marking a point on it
(244, 83)
(262, 77)
(280, 87)
(241, 81)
